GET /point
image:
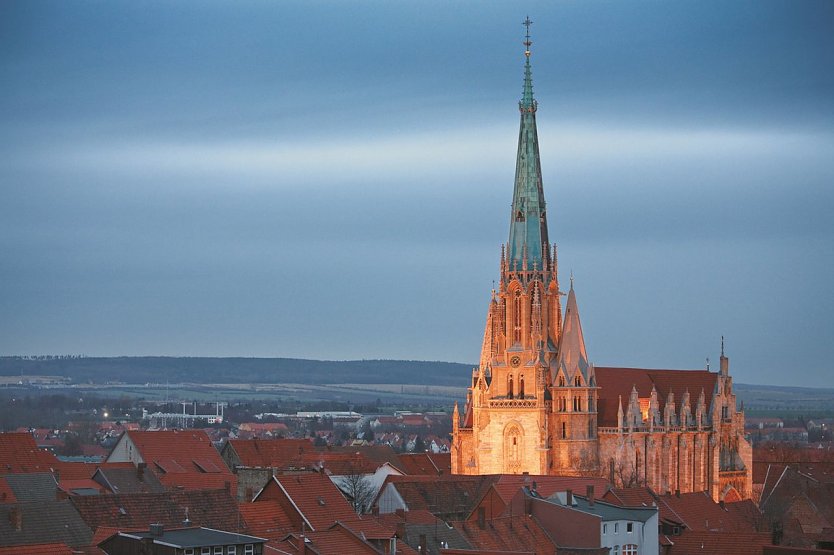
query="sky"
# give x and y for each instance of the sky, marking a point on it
(332, 180)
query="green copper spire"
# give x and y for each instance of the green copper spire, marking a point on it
(528, 223)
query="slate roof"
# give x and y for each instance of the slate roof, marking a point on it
(33, 487)
(616, 382)
(20, 454)
(209, 508)
(127, 479)
(195, 537)
(44, 522)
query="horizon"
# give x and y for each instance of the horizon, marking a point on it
(229, 180)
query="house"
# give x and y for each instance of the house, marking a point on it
(184, 459)
(448, 496)
(500, 493)
(19, 453)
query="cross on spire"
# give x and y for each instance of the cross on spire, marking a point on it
(527, 42)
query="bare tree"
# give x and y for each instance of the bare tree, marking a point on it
(359, 490)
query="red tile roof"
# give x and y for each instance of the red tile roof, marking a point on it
(279, 453)
(698, 512)
(39, 549)
(20, 454)
(449, 495)
(715, 543)
(336, 540)
(509, 484)
(519, 533)
(266, 519)
(426, 463)
(316, 497)
(178, 451)
(616, 382)
(209, 508)
(6, 492)
(198, 481)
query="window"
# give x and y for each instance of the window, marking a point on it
(630, 549)
(561, 381)
(577, 381)
(205, 551)
(188, 551)
(629, 527)
(248, 549)
(218, 550)
(564, 431)
(517, 317)
(616, 550)
(521, 387)
(616, 527)
(604, 528)
(231, 550)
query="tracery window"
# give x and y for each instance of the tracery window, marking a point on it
(517, 317)
(577, 381)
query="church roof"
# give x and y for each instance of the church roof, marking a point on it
(572, 354)
(616, 382)
(528, 221)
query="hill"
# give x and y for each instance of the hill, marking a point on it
(140, 370)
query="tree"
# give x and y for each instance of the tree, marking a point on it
(359, 490)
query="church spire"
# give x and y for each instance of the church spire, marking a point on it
(528, 223)
(572, 355)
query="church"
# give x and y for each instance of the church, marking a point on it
(536, 404)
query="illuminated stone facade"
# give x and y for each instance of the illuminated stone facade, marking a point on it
(536, 404)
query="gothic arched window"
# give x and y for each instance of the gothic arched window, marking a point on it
(521, 387)
(517, 317)
(510, 387)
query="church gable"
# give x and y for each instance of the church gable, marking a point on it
(618, 382)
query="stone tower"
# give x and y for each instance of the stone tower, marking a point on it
(510, 398)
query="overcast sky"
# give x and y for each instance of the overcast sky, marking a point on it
(332, 180)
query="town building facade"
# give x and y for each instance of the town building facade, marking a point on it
(536, 404)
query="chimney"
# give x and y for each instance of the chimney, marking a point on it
(400, 513)
(375, 510)
(482, 518)
(401, 530)
(424, 546)
(157, 530)
(61, 495)
(590, 494)
(569, 497)
(16, 518)
(140, 471)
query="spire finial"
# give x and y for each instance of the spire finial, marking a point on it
(527, 42)
(571, 279)
(722, 345)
